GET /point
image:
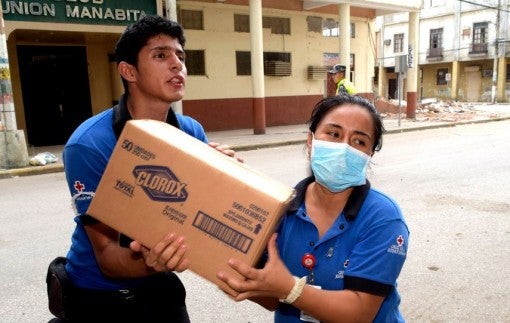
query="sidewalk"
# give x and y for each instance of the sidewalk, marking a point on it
(244, 139)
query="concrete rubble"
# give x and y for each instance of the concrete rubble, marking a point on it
(434, 109)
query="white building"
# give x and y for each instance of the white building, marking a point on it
(463, 50)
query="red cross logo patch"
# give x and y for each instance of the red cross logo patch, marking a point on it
(400, 241)
(79, 187)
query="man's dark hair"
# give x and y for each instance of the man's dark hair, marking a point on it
(136, 36)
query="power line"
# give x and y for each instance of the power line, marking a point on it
(483, 5)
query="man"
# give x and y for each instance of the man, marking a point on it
(343, 86)
(111, 281)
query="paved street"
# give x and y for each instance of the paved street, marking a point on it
(452, 184)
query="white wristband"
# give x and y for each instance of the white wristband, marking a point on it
(296, 290)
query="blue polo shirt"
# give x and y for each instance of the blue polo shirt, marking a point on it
(364, 250)
(85, 157)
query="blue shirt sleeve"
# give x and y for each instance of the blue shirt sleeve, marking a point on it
(192, 127)
(83, 169)
(381, 250)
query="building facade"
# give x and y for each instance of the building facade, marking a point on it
(463, 52)
(63, 70)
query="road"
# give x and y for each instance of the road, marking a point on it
(452, 185)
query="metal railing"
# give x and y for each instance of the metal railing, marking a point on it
(435, 53)
(478, 48)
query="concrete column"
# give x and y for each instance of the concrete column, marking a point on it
(382, 77)
(13, 146)
(257, 67)
(171, 13)
(382, 80)
(171, 9)
(115, 80)
(344, 39)
(455, 80)
(500, 92)
(503, 44)
(412, 72)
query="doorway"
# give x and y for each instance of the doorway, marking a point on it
(473, 85)
(393, 88)
(56, 93)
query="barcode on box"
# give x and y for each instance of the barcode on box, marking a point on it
(222, 232)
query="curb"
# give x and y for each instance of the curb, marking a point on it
(31, 170)
(59, 167)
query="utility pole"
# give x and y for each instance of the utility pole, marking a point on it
(496, 56)
(13, 147)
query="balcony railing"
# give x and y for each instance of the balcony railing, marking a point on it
(477, 49)
(435, 53)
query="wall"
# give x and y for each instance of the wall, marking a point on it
(222, 100)
(99, 75)
(430, 89)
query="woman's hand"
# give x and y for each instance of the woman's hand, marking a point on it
(168, 254)
(274, 280)
(225, 149)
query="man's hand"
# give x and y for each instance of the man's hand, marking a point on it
(272, 281)
(168, 254)
(225, 149)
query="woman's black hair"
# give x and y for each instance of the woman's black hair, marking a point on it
(136, 36)
(327, 104)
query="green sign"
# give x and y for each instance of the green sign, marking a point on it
(93, 12)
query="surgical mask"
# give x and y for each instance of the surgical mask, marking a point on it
(338, 166)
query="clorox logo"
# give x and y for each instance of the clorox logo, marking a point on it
(160, 184)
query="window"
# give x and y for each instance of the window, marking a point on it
(243, 60)
(398, 43)
(330, 28)
(195, 62)
(435, 50)
(280, 26)
(480, 32)
(436, 38)
(480, 44)
(508, 72)
(353, 30)
(314, 24)
(441, 76)
(242, 23)
(191, 19)
(276, 24)
(243, 63)
(437, 3)
(277, 56)
(277, 64)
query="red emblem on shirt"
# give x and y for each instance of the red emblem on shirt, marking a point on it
(400, 241)
(78, 186)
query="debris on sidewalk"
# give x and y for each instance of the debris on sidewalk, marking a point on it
(42, 159)
(448, 111)
(433, 109)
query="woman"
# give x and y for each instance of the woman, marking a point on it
(342, 244)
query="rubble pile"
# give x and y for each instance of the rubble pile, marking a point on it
(450, 111)
(432, 110)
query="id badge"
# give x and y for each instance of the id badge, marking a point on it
(306, 317)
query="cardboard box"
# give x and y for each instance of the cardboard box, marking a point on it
(160, 180)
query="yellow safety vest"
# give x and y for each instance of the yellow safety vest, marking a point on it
(345, 86)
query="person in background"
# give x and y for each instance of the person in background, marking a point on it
(340, 248)
(111, 282)
(343, 86)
